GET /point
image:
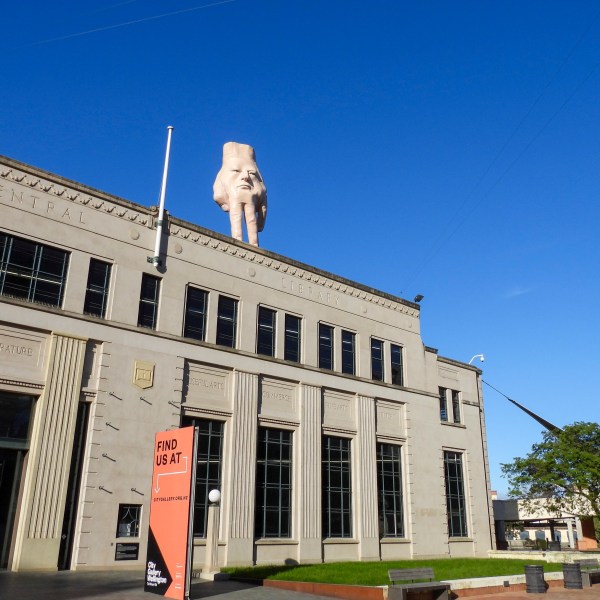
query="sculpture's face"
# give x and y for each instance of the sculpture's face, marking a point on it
(240, 177)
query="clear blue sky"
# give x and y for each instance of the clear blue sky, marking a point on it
(443, 148)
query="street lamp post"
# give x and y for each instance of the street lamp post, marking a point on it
(481, 357)
(210, 570)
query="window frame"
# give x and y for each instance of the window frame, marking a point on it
(124, 510)
(456, 411)
(326, 354)
(224, 321)
(195, 314)
(266, 332)
(377, 362)
(348, 350)
(146, 302)
(393, 494)
(35, 273)
(456, 502)
(211, 435)
(102, 291)
(397, 367)
(292, 338)
(339, 495)
(274, 480)
(443, 401)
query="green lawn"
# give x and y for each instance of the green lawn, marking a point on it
(375, 573)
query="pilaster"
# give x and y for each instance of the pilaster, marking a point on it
(240, 534)
(309, 477)
(366, 472)
(45, 486)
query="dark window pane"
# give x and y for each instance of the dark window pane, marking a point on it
(96, 293)
(292, 338)
(325, 346)
(32, 271)
(148, 309)
(227, 321)
(15, 413)
(128, 520)
(377, 359)
(348, 352)
(456, 406)
(195, 313)
(455, 496)
(443, 404)
(208, 469)
(273, 483)
(389, 485)
(397, 364)
(336, 487)
(265, 341)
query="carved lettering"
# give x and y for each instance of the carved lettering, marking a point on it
(280, 396)
(14, 196)
(16, 350)
(49, 207)
(336, 406)
(207, 383)
(306, 290)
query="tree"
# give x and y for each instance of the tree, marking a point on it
(562, 473)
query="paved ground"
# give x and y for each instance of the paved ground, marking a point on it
(129, 585)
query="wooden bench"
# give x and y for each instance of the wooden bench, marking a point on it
(405, 581)
(589, 569)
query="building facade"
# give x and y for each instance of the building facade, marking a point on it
(331, 430)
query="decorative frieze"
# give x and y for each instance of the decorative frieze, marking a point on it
(11, 195)
(389, 419)
(338, 410)
(316, 279)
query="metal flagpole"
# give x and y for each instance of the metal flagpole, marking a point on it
(155, 260)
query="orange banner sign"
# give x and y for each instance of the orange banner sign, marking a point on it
(168, 561)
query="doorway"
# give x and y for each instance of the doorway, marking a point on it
(15, 419)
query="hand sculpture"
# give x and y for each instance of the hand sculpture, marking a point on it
(240, 191)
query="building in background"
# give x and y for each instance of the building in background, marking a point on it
(331, 430)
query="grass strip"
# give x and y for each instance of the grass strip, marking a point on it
(375, 573)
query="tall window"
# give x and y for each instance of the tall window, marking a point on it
(32, 271)
(149, 293)
(265, 338)
(443, 404)
(455, 494)
(456, 406)
(96, 292)
(196, 304)
(348, 352)
(376, 359)
(325, 346)
(227, 321)
(292, 338)
(273, 511)
(337, 490)
(397, 364)
(389, 487)
(208, 469)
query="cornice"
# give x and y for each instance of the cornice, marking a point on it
(291, 268)
(21, 384)
(78, 194)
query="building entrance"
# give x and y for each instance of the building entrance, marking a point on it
(15, 418)
(11, 463)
